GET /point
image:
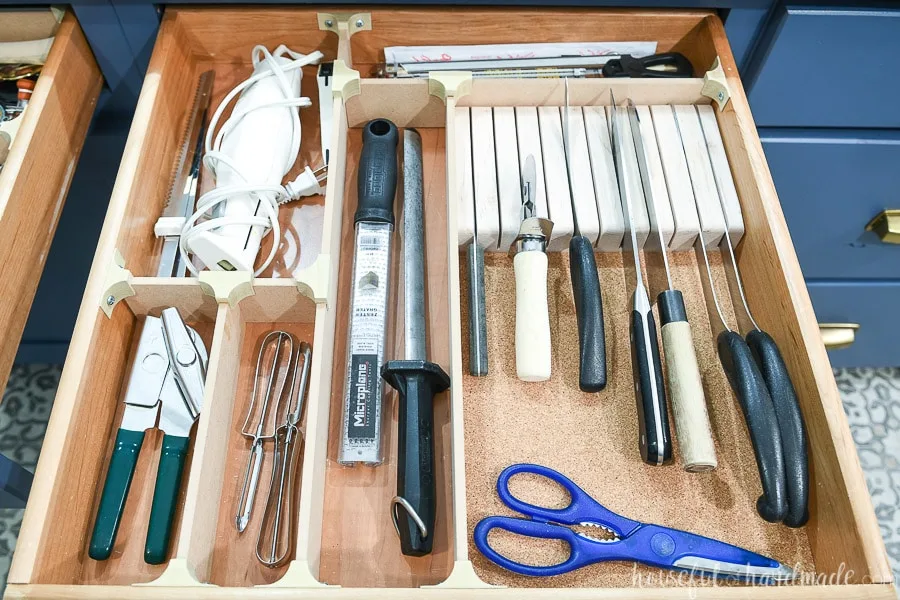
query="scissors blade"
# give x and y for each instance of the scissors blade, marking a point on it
(726, 569)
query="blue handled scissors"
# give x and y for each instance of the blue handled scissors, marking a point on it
(652, 545)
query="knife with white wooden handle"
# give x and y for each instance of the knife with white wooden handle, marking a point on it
(695, 440)
(530, 266)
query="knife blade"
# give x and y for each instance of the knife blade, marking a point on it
(653, 419)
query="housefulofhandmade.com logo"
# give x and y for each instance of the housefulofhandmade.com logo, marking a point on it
(642, 577)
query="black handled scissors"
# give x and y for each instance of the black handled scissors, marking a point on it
(670, 64)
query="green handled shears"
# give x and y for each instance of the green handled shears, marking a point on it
(166, 384)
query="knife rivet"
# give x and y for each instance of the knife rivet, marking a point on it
(110, 300)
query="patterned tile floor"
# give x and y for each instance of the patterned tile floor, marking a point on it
(23, 421)
(871, 401)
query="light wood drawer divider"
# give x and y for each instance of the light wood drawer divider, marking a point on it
(37, 172)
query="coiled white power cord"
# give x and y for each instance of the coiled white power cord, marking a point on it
(226, 229)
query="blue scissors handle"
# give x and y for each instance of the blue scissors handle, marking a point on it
(652, 545)
(582, 508)
(535, 529)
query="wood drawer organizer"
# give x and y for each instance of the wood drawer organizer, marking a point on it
(345, 537)
(37, 172)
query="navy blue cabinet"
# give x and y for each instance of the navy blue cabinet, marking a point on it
(870, 304)
(831, 183)
(827, 68)
(743, 26)
(823, 86)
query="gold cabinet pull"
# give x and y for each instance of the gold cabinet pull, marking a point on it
(887, 225)
(838, 335)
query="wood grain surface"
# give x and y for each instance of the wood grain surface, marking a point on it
(38, 170)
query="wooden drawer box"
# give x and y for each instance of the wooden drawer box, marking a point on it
(37, 172)
(345, 539)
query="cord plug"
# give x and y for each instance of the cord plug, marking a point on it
(168, 226)
(309, 183)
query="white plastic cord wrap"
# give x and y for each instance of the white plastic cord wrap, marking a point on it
(249, 157)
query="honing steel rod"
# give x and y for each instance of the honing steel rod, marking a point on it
(586, 289)
(415, 379)
(653, 419)
(695, 440)
(478, 351)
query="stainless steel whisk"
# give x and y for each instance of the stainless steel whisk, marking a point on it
(275, 535)
(263, 412)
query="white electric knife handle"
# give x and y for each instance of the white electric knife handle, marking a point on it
(532, 316)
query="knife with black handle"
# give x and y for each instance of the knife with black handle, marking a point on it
(790, 424)
(753, 396)
(653, 416)
(586, 290)
(589, 315)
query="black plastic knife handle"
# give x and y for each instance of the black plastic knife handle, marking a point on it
(759, 413)
(417, 382)
(589, 313)
(790, 424)
(653, 417)
(377, 178)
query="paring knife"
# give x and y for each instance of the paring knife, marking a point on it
(530, 266)
(586, 289)
(695, 441)
(653, 418)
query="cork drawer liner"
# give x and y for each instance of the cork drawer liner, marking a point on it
(345, 542)
(37, 172)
